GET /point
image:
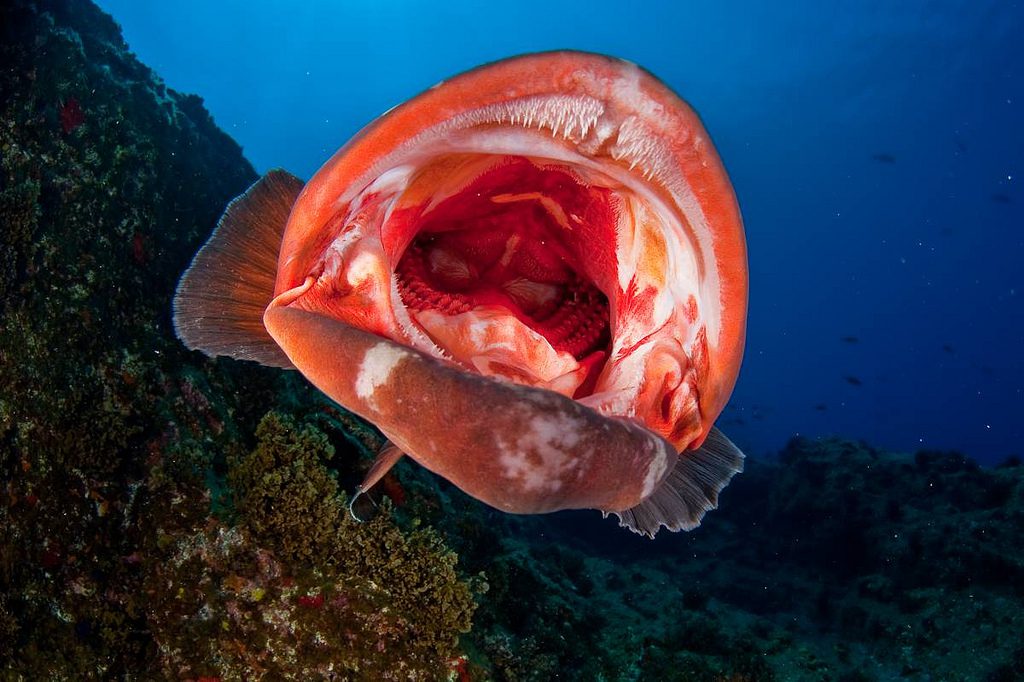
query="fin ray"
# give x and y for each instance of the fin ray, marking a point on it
(219, 304)
(690, 490)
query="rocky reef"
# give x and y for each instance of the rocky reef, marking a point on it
(167, 516)
(124, 553)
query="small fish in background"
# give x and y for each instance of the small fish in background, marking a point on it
(531, 278)
(850, 339)
(821, 407)
(882, 157)
(948, 348)
(1001, 198)
(852, 380)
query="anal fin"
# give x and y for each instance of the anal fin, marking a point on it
(219, 304)
(690, 490)
(386, 459)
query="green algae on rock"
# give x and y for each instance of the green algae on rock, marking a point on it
(285, 494)
(291, 503)
(225, 608)
(103, 195)
(840, 561)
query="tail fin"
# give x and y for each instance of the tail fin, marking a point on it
(690, 490)
(218, 308)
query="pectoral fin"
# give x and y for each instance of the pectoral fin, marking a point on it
(219, 304)
(690, 490)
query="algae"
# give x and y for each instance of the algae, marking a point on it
(291, 503)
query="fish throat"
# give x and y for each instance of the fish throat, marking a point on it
(514, 242)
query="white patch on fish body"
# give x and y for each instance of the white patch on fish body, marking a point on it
(655, 472)
(542, 454)
(336, 254)
(376, 368)
(555, 432)
(365, 266)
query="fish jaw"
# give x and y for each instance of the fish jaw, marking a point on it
(517, 448)
(677, 297)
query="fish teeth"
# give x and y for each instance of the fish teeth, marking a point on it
(571, 117)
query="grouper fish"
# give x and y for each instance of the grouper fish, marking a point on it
(532, 278)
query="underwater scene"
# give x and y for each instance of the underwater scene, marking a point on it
(514, 342)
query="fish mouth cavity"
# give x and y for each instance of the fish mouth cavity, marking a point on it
(447, 274)
(512, 240)
(506, 263)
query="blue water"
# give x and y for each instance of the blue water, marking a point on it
(876, 151)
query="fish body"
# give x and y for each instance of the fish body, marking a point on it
(532, 278)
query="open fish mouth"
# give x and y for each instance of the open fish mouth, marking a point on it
(506, 268)
(543, 241)
(504, 258)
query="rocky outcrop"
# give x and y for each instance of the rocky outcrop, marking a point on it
(835, 561)
(122, 554)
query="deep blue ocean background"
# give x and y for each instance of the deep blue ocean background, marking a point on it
(876, 150)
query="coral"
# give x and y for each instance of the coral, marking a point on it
(291, 503)
(71, 115)
(225, 608)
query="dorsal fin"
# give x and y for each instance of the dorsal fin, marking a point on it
(690, 490)
(218, 308)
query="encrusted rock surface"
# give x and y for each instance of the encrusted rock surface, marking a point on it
(836, 561)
